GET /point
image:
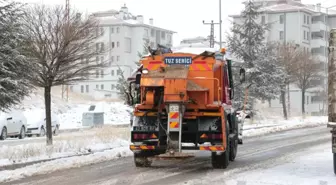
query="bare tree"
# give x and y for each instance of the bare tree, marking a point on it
(307, 72)
(61, 48)
(287, 55)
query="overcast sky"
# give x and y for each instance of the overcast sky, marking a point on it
(182, 16)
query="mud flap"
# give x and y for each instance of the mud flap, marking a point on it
(240, 130)
(333, 132)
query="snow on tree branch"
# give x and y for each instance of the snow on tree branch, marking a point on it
(14, 68)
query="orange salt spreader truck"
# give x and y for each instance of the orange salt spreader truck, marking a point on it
(184, 97)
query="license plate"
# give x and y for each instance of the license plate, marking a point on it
(173, 108)
(144, 128)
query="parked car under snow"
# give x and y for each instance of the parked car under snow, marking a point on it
(36, 123)
(12, 124)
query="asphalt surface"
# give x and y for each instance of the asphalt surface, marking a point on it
(257, 152)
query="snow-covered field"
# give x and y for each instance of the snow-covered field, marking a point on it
(70, 113)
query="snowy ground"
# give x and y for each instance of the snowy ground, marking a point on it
(308, 167)
(266, 126)
(70, 113)
(103, 138)
(65, 145)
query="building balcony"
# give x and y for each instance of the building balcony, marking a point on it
(317, 26)
(317, 42)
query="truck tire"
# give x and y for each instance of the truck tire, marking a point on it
(335, 163)
(141, 161)
(233, 149)
(233, 142)
(222, 160)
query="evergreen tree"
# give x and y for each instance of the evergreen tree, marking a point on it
(247, 43)
(125, 92)
(14, 69)
(145, 51)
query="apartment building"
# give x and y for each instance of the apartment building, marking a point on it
(122, 36)
(308, 26)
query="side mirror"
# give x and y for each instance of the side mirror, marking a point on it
(242, 75)
(137, 79)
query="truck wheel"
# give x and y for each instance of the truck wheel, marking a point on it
(141, 161)
(233, 149)
(335, 163)
(234, 142)
(222, 160)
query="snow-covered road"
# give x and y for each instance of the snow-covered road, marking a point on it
(270, 159)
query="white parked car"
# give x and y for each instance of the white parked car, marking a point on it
(12, 124)
(36, 123)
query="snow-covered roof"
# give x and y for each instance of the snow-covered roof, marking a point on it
(113, 17)
(288, 6)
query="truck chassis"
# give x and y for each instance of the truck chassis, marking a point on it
(152, 142)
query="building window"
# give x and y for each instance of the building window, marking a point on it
(163, 35)
(102, 86)
(118, 58)
(87, 88)
(304, 19)
(118, 44)
(102, 73)
(118, 72)
(97, 47)
(112, 44)
(308, 35)
(146, 33)
(102, 49)
(308, 18)
(128, 45)
(97, 86)
(169, 37)
(152, 33)
(101, 31)
(97, 59)
(304, 35)
(102, 59)
(307, 100)
(112, 72)
(263, 19)
(111, 29)
(97, 74)
(118, 29)
(281, 35)
(112, 87)
(82, 88)
(281, 19)
(112, 58)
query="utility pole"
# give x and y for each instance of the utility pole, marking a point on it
(332, 91)
(326, 39)
(67, 15)
(212, 32)
(220, 24)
